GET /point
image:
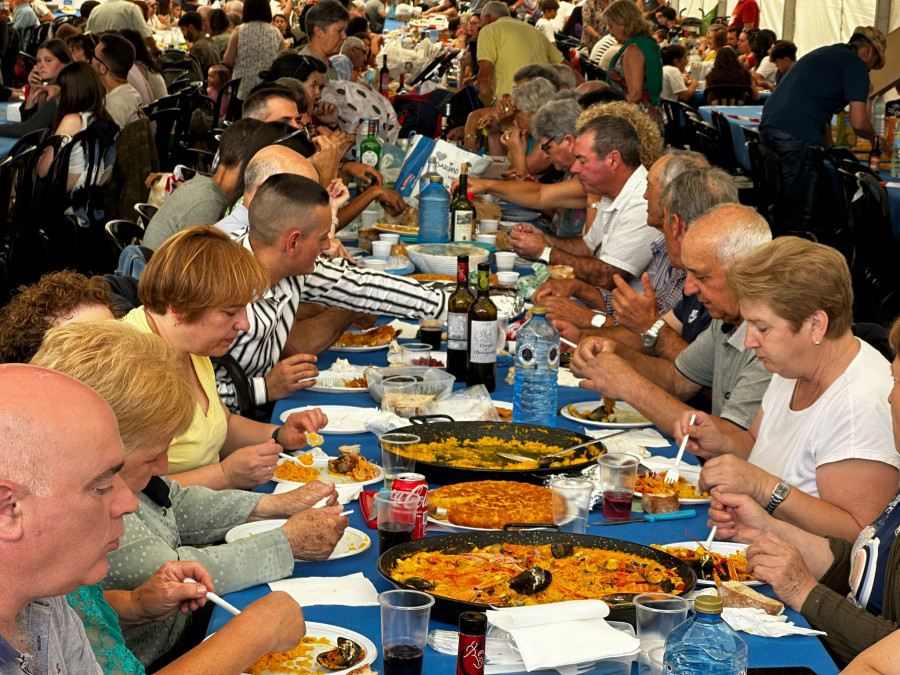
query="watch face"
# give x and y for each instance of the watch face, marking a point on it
(648, 340)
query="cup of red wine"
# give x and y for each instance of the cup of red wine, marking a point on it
(618, 472)
(396, 515)
(431, 332)
(404, 629)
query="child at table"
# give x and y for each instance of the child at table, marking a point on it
(218, 77)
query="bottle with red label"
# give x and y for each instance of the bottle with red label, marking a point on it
(470, 654)
(415, 484)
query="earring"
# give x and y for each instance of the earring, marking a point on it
(816, 342)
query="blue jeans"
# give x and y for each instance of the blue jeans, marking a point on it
(799, 173)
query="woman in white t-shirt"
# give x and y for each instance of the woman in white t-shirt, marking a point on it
(675, 59)
(820, 453)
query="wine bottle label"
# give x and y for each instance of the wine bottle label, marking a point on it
(462, 225)
(483, 342)
(370, 157)
(457, 331)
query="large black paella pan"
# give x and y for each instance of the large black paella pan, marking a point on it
(448, 609)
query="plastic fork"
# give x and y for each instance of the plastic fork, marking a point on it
(288, 458)
(672, 474)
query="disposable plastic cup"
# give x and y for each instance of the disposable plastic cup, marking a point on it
(381, 249)
(505, 260)
(487, 239)
(388, 236)
(618, 472)
(656, 615)
(377, 264)
(488, 225)
(391, 460)
(404, 630)
(369, 218)
(571, 503)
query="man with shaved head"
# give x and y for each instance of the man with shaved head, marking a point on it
(58, 519)
(290, 219)
(717, 358)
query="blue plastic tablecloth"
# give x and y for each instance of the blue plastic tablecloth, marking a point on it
(788, 651)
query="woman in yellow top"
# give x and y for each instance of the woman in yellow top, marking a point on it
(194, 294)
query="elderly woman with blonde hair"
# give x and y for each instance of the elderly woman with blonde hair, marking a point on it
(150, 409)
(819, 454)
(145, 584)
(195, 292)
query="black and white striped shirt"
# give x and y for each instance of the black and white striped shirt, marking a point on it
(333, 283)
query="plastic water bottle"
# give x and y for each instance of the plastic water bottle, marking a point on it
(537, 363)
(705, 643)
(878, 113)
(430, 170)
(895, 154)
(434, 213)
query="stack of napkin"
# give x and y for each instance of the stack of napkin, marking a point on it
(563, 633)
(353, 590)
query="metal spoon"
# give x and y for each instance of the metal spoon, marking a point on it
(522, 458)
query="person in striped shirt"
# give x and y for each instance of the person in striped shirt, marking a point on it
(289, 223)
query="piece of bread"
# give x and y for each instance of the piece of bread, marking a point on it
(666, 502)
(736, 594)
(363, 670)
(399, 250)
(411, 218)
(561, 272)
(407, 405)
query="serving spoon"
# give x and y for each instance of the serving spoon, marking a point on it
(523, 458)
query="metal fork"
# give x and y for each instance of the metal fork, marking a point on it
(672, 474)
(575, 669)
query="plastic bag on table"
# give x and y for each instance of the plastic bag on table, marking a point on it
(472, 404)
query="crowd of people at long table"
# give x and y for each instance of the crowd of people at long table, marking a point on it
(681, 304)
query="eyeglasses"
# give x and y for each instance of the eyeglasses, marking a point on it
(545, 146)
(96, 58)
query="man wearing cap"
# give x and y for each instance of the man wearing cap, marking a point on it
(799, 112)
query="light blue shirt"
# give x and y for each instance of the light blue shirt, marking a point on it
(343, 65)
(238, 219)
(24, 17)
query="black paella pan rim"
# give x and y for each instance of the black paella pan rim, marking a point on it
(448, 609)
(443, 474)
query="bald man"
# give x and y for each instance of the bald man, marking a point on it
(290, 218)
(58, 519)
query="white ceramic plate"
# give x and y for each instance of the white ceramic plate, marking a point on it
(333, 383)
(447, 525)
(321, 465)
(373, 348)
(720, 547)
(353, 541)
(332, 633)
(342, 419)
(587, 406)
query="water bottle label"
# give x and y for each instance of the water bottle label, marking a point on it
(526, 355)
(552, 357)
(370, 157)
(483, 340)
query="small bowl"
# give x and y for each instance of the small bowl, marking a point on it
(507, 278)
(377, 264)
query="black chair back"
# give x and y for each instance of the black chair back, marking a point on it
(674, 127)
(726, 144)
(175, 63)
(145, 213)
(167, 136)
(122, 233)
(245, 401)
(726, 94)
(235, 105)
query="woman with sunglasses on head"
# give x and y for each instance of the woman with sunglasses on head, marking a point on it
(42, 100)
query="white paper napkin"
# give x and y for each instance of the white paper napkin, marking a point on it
(648, 438)
(353, 590)
(579, 625)
(565, 378)
(345, 493)
(383, 422)
(757, 622)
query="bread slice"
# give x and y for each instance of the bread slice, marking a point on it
(736, 594)
(665, 502)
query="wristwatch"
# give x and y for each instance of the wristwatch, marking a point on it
(779, 494)
(598, 319)
(544, 257)
(651, 335)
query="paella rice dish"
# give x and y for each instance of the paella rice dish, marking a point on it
(732, 567)
(301, 660)
(513, 575)
(480, 454)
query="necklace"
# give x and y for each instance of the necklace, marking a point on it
(821, 379)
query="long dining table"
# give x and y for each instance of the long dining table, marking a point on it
(764, 652)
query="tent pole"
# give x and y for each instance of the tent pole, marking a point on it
(789, 19)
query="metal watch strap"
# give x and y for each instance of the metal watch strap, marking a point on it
(779, 494)
(651, 335)
(545, 255)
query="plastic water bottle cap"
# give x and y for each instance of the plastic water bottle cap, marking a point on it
(540, 311)
(708, 604)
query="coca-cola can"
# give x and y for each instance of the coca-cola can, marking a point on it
(415, 484)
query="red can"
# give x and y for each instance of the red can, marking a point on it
(415, 483)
